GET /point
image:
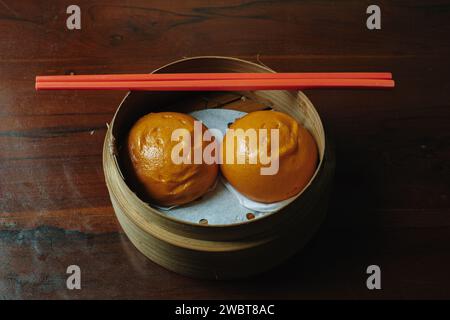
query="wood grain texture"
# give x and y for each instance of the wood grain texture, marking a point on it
(390, 204)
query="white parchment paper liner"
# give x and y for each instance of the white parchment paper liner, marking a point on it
(222, 204)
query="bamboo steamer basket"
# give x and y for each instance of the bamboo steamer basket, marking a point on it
(216, 251)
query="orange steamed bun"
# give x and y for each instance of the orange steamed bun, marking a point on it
(298, 156)
(149, 149)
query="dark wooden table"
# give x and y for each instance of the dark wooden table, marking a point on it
(390, 204)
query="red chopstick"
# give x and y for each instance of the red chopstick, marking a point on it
(216, 85)
(214, 76)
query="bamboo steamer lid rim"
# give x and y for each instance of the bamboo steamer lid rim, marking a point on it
(112, 148)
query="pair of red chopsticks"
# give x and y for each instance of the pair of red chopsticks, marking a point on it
(216, 81)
